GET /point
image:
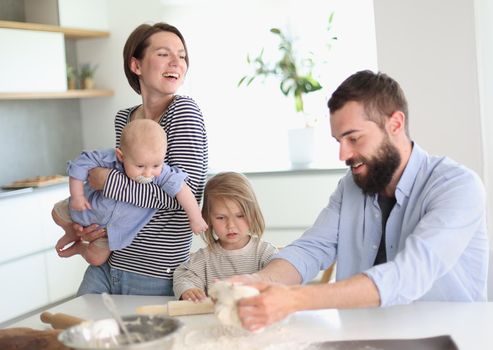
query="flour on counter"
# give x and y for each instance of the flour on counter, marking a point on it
(231, 338)
(229, 335)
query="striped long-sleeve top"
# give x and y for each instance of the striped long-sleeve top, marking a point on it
(165, 241)
(211, 263)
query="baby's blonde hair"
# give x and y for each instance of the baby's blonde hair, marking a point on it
(233, 186)
(143, 132)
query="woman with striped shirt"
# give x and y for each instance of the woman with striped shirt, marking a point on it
(155, 63)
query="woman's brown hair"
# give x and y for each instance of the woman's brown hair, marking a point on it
(137, 43)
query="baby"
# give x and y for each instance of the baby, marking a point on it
(141, 157)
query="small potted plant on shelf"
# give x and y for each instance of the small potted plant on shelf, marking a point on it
(87, 75)
(72, 76)
(296, 80)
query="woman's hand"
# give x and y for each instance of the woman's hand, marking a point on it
(193, 294)
(75, 235)
(89, 233)
(97, 178)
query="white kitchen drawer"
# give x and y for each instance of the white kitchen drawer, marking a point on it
(27, 226)
(51, 231)
(24, 286)
(21, 226)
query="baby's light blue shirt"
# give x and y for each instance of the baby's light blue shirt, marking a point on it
(122, 220)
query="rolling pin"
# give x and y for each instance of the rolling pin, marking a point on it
(28, 338)
(179, 308)
(59, 320)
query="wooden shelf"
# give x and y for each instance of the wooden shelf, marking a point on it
(55, 95)
(70, 33)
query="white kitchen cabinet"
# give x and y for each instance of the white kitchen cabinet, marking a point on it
(26, 222)
(21, 235)
(88, 14)
(32, 61)
(63, 275)
(24, 286)
(31, 272)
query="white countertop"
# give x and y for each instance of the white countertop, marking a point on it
(469, 324)
(14, 192)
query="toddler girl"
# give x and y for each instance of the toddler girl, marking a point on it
(233, 237)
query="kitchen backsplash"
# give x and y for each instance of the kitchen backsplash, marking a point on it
(38, 137)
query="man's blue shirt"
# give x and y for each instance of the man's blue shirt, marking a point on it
(436, 239)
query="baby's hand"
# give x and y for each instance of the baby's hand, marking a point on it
(79, 203)
(193, 294)
(198, 226)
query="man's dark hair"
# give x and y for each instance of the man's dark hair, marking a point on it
(379, 94)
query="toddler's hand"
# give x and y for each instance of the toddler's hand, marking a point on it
(79, 203)
(198, 226)
(193, 294)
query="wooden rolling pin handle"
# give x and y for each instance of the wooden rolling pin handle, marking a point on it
(59, 320)
(186, 307)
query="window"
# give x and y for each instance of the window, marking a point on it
(247, 126)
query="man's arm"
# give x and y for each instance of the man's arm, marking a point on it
(277, 301)
(279, 271)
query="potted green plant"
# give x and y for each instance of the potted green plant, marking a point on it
(296, 80)
(87, 71)
(288, 70)
(72, 76)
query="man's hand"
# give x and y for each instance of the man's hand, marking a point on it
(193, 294)
(97, 178)
(274, 303)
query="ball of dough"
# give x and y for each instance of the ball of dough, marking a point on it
(226, 295)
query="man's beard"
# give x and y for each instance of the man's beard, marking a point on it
(380, 168)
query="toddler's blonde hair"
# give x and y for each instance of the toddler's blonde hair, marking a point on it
(233, 186)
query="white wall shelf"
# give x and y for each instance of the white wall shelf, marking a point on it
(56, 95)
(70, 33)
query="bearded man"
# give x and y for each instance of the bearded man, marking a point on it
(402, 225)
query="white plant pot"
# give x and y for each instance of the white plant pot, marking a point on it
(301, 143)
